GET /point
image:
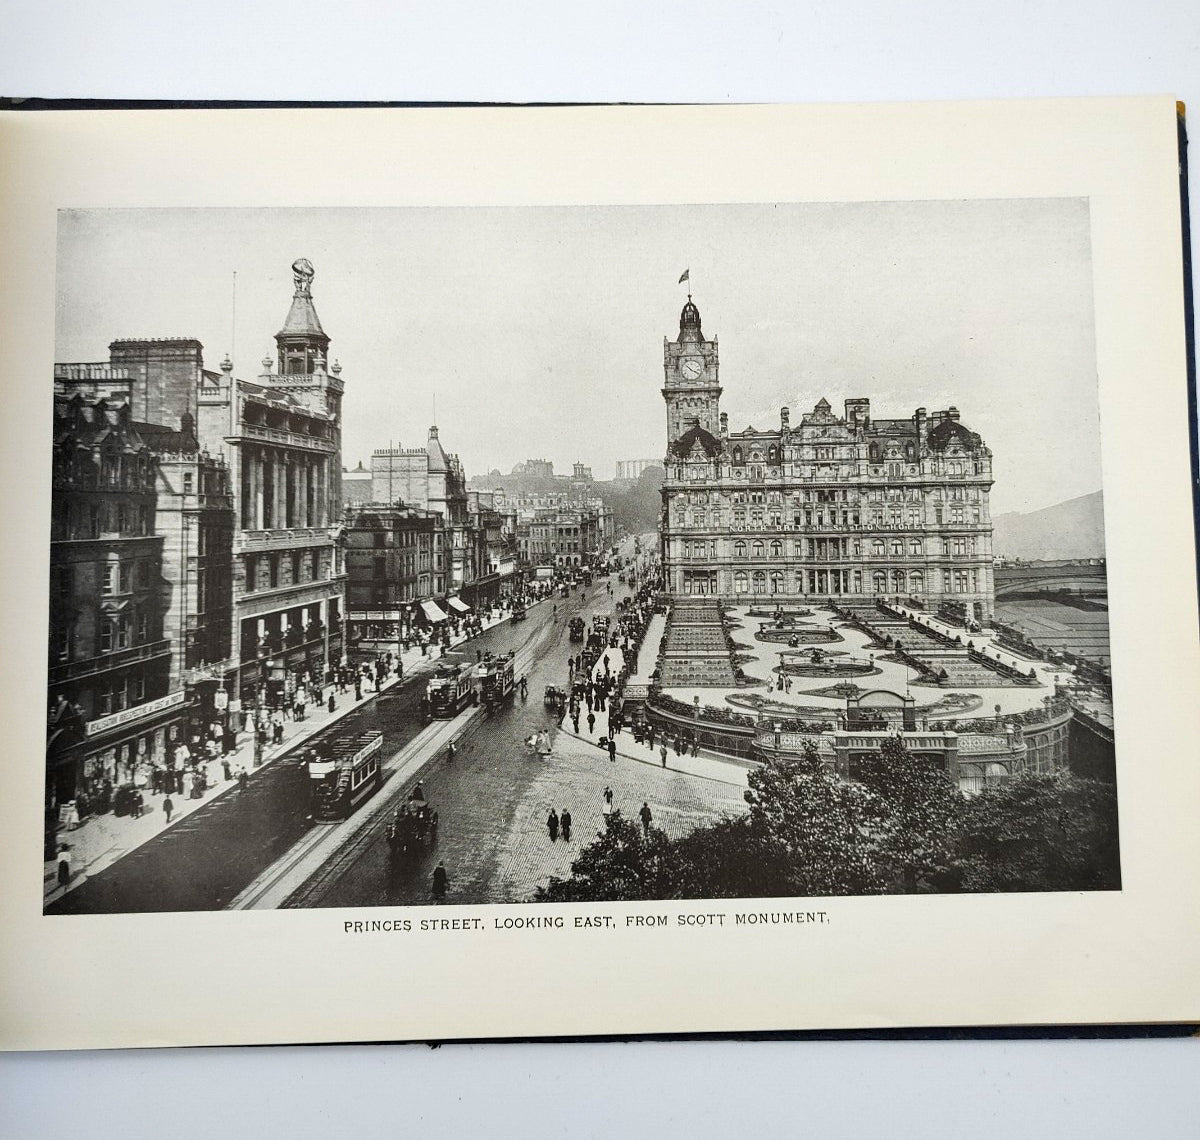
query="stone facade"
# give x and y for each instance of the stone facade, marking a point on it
(111, 700)
(835, 506)
(430, 480)
(280, 437)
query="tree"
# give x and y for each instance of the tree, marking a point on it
(919, 811)
(621, 863)
(811, 832)
(1041, 832)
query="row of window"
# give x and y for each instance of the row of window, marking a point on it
(266, 571)
(81, 520)
(699, 471)
(835, 582)
(757, 519)
(797, 500)
(115, 694)
(829, 548)
(92, 471)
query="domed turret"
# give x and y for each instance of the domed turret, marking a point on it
(689, 318)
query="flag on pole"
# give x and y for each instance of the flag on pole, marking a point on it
(684, 276)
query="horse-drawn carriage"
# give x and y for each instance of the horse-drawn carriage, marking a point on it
(555, 699)
(414, 829)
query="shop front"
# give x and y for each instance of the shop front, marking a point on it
(373, 632)
(92, 759)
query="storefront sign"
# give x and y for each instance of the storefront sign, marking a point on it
(138, 712)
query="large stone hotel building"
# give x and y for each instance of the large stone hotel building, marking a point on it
(832, 507)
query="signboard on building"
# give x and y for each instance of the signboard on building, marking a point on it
(138, 712)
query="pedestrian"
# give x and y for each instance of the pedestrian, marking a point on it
(650, 727)
(612, 750)
(358, 686)
(552, 825)
(226, 768)
(137, 803)
(662, 752)
(64, 865)
(440, 881)
(332, 705)
(575, 720)
(646, 816)
(243, 779)
(451, 748)
(565, 819)
(168, 808)
(608, 797)
(695, 746)
(591, 722)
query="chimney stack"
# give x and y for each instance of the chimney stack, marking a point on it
(784, 418)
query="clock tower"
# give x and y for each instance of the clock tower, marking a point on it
(690, 386)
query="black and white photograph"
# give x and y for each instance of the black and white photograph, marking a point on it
(566, 554)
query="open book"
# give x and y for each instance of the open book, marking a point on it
(506, 573)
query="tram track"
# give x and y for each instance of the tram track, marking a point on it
(327, 849)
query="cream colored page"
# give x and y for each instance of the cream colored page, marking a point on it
(146, 979)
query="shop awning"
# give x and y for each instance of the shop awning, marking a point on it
(459, 605)
(433, 611)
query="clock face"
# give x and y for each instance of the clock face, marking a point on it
(691, 367)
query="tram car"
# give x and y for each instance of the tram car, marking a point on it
(343, 772)
(450, 690)
(577, 627)
(496, 679)
(518, 611)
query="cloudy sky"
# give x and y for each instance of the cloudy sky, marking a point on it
(538, 332)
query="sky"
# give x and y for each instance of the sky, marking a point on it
(537, 332)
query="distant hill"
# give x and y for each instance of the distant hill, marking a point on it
(1074, 529)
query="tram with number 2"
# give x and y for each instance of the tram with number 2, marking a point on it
(343, 772)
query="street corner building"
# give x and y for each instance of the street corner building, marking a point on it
(196, 557)
(835, 507)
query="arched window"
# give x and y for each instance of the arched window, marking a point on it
(773, 455)
(758, 549)
(916, 582)
(741, 582)
(877, 546)
(897, 546)
(914, 546)
(909, 451)
(879, 579)
(739, 549)
(776, 581)
(899, 581)
(737, 457)
(777, 549)
(760, 581)
(874, 453)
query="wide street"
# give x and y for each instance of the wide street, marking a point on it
(258, 848)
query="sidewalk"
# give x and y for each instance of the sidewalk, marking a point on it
(100, 840)
(705, 765)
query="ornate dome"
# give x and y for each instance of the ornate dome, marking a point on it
(690, 317)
